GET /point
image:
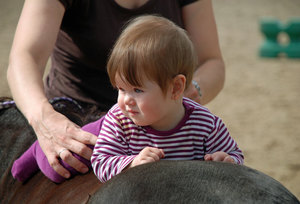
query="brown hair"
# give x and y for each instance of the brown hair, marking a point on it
(155, 48)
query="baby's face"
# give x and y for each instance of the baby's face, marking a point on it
(146, 105)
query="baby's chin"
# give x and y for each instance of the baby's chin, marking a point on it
(138, 122)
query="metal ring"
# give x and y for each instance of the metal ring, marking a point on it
(61, 151)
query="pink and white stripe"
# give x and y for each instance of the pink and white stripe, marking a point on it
(199, 133)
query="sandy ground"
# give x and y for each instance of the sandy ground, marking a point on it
(261, 98)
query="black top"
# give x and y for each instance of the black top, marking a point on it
(88, 32)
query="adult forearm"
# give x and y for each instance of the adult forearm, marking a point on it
(25, 78)
(210, 77)
(33, 43)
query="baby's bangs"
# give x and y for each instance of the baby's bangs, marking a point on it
(131, 67)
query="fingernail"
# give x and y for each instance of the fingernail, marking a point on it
(67, 175)
(84, 170)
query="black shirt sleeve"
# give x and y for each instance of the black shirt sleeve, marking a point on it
(186, 2)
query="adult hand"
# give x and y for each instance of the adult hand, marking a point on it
(219, 156)
(58, 137)
(148, 155)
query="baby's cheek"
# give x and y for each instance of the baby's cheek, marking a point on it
(121, 102)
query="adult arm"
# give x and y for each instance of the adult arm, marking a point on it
(33, 43)
(200, 24)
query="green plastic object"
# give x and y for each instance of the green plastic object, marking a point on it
(271, 47)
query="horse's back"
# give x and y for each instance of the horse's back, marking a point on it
(192, 182)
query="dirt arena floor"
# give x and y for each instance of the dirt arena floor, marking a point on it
(261, 98)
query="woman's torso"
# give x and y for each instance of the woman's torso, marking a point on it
(88, 32)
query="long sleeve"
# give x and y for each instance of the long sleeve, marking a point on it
(220, 140)
(110, 155)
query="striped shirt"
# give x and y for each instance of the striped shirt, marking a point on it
(197, 134)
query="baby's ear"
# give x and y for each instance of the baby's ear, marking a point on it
(178, 87)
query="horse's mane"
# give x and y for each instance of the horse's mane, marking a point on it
(66, 106)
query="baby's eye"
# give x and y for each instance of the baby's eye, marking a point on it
(138, 90)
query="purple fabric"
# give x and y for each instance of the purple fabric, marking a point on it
(34, 159)
(94, 127)
(26, 165)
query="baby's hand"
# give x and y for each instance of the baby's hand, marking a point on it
(219, 156)
(147, 155)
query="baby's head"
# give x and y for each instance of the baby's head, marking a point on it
(154, 48)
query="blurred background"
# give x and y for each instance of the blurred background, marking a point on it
(261, 98)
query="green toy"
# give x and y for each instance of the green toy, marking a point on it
(271, 47)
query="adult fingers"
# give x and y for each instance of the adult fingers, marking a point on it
(54, 163)
(74, 139)
(51, 151)
(67, 157)
(79, 148)
(83, 136)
